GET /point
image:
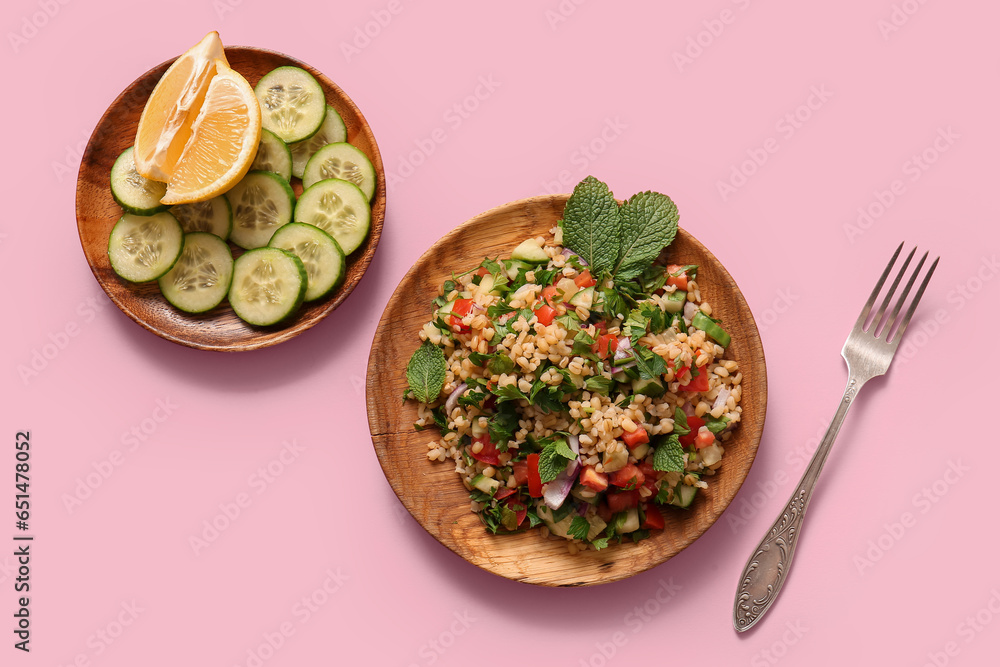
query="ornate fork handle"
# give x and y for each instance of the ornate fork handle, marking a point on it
(768, 565)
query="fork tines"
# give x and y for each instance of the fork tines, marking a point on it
(879, 323)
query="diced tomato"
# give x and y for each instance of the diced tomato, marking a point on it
(678, 281)
(694, 423)
(679, 372)
(635, 438)
(629, 477)
(604, 511)
(647, 468)
(534, 477)
(619, 501)
(550, 295)
(584, 280)
(503, 492)
(606, 345)
(461, 308)
(654, 520)
(699, 383)
(482, 272)
(520, 472)
(598, 481)
(519, 507)
(488, 454)
(545, 314)
(704, 439)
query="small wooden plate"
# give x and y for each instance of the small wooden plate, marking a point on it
(97, 212)
(433, 493)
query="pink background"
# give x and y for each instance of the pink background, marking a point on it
(574, 88)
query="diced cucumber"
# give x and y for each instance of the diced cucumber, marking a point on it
(214, 216)
(615, 460)
(273, 155)
(343, 161)
(560, 527)
(584, 298)
(530, 251)
(709, 326)
(640, 451)
(631, 522)
(652, 388)
(200, 279)
(684, 495)
(144, 247)
(674, 301)
(339, 208)
(514, 266)
(597, 524)
(268, 286)
(135, 193)
(445, 310)
(485, 484)
(292, 103)
(332, 131)
(262, 202)
(320, 254)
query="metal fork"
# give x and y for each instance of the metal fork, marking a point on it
(868, 352)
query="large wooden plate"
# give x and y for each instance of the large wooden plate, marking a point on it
(97, 212)
(433, 493)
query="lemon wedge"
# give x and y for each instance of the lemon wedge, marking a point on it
(200, 128)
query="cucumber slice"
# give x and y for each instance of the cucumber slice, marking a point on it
(485, 484)
(674, 302)
(332, 131)
(320, 254)
(268, 286)
(262, 202)
(684, 495)
(652, 388)
(338, 208)
(711, 327)
(514, 266)
(201, 277)
(214, 216)
(273, 155)
(292, 103)
(584, 297)
(144, 247)
(135, 193)
(342, 161)
(530, 251)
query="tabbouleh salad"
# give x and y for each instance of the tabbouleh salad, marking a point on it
(581, 383)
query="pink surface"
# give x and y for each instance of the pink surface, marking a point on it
(890, 107)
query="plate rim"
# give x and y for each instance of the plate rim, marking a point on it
(264, 337)
(752, 444)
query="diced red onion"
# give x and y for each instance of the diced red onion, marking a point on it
(567, 253)
(624, 351)
(689, 310)
(452, 401)
(721, 399)
(687, 408)
(558, 489)
(582, 507)
(574, 443)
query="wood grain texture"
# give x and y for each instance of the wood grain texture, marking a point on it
(433, 493)
(97, 212)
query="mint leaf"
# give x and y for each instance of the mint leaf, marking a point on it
(551, 462)
(425, 372)
(669, 455)
(648, 225)
(579, 528)
(649, 364)
(680, 422)
(563, 449)
(591, 224)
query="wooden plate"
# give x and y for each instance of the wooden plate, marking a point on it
(97, 212)
(433, 493)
